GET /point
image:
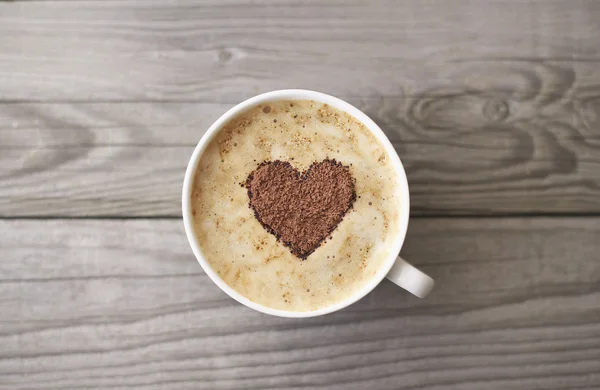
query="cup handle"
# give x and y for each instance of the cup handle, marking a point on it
(410, 278)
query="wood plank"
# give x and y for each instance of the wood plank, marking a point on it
(123, 303)
(464, 152)
(226, 51)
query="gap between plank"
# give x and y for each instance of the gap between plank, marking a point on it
(428, 216)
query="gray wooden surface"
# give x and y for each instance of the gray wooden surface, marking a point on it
(102, 304)
(493, 106)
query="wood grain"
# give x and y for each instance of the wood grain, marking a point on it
(227, 51)
(493, 106)
(123, 304)
(466, 153)
(104, 101)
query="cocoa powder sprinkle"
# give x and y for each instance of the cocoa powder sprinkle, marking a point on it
(301, 209)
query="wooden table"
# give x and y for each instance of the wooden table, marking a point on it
(493, 105)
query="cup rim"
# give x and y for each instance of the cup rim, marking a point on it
(294, 94)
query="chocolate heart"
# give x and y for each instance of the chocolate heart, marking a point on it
(301, 210)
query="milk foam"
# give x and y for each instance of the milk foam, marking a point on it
(247, 257)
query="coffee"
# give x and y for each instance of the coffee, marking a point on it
(296, 204)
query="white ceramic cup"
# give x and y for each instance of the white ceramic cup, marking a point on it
(394, 268)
